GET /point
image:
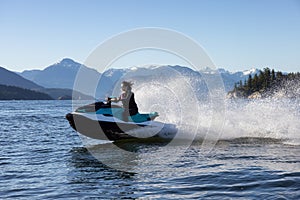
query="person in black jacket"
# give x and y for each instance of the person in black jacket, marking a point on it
(128, 101)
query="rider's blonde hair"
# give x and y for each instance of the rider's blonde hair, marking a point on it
(128, 84)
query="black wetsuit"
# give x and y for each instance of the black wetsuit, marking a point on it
(130, 106)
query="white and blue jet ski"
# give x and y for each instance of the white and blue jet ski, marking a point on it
(104, 121)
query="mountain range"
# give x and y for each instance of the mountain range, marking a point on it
(63, 74)
(58, 75)
(10, 78)
(58, 79)
(12, 83)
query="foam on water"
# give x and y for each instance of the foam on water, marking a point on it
(175, 101)
(199, 108)
(264, 118)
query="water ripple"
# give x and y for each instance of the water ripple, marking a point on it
(42, 158)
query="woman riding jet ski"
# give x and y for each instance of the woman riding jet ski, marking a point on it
(105, 121)
(128, 101)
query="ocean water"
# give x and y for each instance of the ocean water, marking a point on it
(256, 156)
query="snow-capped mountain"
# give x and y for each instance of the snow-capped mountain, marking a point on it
(115, 74)
(250, 72)
(63, 74)
(58, 75)
(230, 78)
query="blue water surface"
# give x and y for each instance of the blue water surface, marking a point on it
(41, 157)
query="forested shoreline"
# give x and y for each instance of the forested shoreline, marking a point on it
(268, 83)
(17, 93)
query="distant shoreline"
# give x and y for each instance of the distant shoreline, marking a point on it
(267, 83)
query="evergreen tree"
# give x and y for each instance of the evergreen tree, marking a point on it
(267, 78)
(249, 85)
(279, 76)
(266, 81)
(273, 78)
(240, 84)
(255, 83)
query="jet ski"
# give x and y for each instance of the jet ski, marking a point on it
(104, 121)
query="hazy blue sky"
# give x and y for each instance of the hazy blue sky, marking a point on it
(236, 34)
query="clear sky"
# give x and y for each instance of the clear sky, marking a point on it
(236, 34)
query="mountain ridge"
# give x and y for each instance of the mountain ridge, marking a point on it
(63, 74)
(10, 78)
(58, 75)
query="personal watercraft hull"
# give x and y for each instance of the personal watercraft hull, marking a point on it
(102, 130)
(104, 122)
(115, 129)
